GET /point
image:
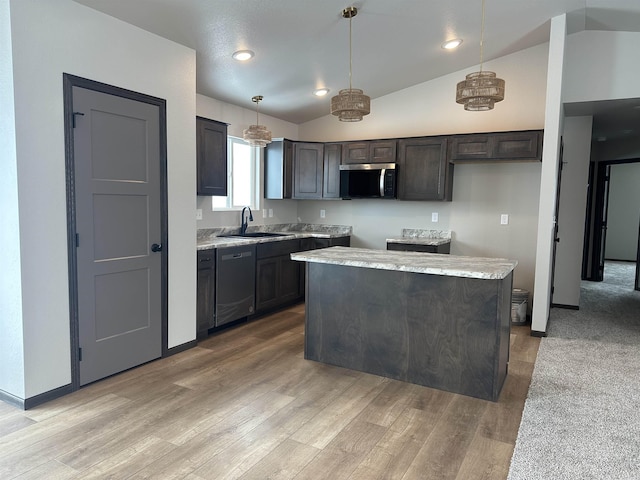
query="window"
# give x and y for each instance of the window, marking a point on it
(243, 181)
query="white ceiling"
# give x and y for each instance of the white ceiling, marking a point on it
(302, 45)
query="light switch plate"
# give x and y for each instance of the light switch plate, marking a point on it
(270, 212)
(198, 214)
(264, 213)
(434, 217)
(323, 213)
(504, 219)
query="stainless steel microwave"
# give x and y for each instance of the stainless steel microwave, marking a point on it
(368, 180)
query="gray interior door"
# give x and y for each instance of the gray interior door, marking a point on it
(118, 222)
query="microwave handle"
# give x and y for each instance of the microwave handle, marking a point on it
(382, 181)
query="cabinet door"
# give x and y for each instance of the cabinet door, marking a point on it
(423, 171)
(205, 292)
(355, 152)
(517, 145)
(266, 283)
(289, 281)
(383, 151)
(331, 179)
(211, 152)
(471, 147)
(308, 164)
(278, 169)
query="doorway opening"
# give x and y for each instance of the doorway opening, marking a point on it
(612, 230)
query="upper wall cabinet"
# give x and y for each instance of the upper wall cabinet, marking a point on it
(374, 151)
(278, 169)
(523, 146)
(331, 170)
(423, 170)
(211, 152)
(308, 167)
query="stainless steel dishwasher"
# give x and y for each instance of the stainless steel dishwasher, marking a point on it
(235, 283)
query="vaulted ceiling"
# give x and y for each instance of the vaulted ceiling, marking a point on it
(301, 45)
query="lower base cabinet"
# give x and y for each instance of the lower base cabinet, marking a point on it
(279, 281)
(205, 305)
(412, 247)
(277, 276)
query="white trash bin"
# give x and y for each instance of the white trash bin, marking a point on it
(519, 301)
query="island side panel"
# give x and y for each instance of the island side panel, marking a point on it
(503, 340)
(433, 330)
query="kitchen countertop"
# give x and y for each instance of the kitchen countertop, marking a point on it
(216, 237)
(416, 262)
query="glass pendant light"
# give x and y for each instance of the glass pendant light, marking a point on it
(351, 104)
(257, 135)
(480, 90)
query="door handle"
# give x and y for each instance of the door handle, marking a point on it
(156, 247)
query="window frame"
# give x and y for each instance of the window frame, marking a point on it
(255, 174)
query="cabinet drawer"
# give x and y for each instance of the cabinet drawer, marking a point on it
(273, 249)
(206, 259)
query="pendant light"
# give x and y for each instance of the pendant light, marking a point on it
(351, 104)
(480, 90)
(257, 135)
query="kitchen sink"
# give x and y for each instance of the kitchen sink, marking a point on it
(254, 235)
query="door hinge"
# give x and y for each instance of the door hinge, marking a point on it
(80, 354)
(77, 240)
(74, 118)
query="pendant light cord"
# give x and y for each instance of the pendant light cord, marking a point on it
(482, 38)
(350, 62)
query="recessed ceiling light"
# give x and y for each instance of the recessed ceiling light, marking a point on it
(243, 55)
(321, 92)
(452, 44)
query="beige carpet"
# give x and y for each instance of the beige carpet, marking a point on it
(581, 419)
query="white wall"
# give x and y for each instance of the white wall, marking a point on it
(554, 115)
(480, 192)
(624, 212)
(238, 118)
(571, 217)
(602, 65)
(11, 337)
(50, 38)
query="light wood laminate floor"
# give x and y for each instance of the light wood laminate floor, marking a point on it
(245, 404)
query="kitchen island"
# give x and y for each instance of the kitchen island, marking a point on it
(442, 321)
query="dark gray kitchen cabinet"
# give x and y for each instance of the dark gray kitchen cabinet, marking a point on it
(308, 165)
(211, 153)
(278, 169)
(369, 151)
(416, 247)
(522, 146)
(205, 303)
(331, 170)
(277, 276)
(423, 170)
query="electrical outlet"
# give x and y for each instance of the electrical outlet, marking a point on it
(264, 213)
(434, 217)
(504, 219)
(270, 212)
(323, 213)
(198, 214)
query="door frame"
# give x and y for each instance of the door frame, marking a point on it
(593, 246)
(70, 81)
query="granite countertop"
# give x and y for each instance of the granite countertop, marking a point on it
(422, 237)
(416, 262)
(216, 237)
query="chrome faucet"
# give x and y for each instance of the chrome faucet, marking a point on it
(245, 221)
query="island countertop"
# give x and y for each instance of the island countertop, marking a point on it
(416, 262)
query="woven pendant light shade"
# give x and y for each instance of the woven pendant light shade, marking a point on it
(479, 91)
(351, 104)
(256, 135)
